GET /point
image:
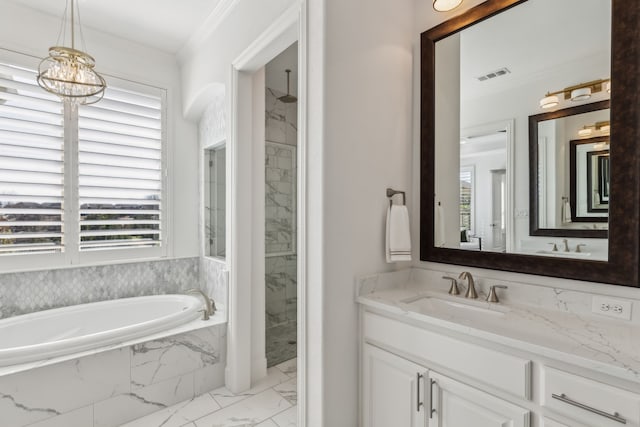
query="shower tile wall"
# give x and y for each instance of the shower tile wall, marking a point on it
(280, 227)
(31, 291)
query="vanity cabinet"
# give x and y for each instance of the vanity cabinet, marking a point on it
(398, 392)
(459, 405)
(408, 369)
(393, 390)
(587, 401)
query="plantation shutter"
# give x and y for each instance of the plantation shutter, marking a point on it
(31, 165)
(120, 171)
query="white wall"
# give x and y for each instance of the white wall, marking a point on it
(208, 63)
(367, 148)
(359, 120)
(31, 32)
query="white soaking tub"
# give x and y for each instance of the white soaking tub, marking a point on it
(51, 333)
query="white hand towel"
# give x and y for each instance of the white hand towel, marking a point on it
(438, 227)
(398, 241)
(566, 212)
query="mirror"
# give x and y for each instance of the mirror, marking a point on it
(483, 74)
(215, 201)
(567, 152)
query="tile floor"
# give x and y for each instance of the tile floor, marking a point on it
(281, 343)
(270, 403)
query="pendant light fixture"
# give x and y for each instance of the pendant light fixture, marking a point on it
(288, 98)
(68, 72)
(445, 5)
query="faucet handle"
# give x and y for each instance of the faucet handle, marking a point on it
(578, 246)
(555, 247)
(453, 290)
(493, 296)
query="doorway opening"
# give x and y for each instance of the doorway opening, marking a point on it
(281, 189)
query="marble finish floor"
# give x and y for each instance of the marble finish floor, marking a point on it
(270, 403)
(281, 343)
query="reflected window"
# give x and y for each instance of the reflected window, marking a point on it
(466, 202)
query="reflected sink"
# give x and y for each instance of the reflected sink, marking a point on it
(560, 254)
(431, 305)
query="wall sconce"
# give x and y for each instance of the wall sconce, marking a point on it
(603, 127)
(445, 5)
(577, 93)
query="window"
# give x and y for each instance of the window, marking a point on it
(31, 165)
(120, 171)
(74, 181)
(466, 198)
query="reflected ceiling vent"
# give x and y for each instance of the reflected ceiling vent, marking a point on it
(492, 75)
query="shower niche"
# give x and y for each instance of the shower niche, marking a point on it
(215, 201)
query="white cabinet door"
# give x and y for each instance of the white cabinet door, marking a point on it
(547, 422)
(459, 405)
(392, 390)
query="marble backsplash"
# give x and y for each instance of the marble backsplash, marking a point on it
(30, 291)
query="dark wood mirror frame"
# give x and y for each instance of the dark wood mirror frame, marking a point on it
(534, 229)
(622, 268)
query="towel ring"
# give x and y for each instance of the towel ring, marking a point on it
(391, 192)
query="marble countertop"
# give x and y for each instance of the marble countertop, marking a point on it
(610, 347)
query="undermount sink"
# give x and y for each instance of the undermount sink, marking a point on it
(427, 304)
(565, 254)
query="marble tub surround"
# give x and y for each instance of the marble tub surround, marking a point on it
(270, 403)
(26, 292)
(113, 387)
(555, 323)
(214, 279)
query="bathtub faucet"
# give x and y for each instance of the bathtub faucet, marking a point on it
(209, 304)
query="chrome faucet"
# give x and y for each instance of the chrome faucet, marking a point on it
(471, 290)
(209, 304)
(578, 246)
(566, 245)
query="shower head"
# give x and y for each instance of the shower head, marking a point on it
(288, 98)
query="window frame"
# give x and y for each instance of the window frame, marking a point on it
(71, 256)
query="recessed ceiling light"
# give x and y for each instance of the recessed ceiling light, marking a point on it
(445, 5)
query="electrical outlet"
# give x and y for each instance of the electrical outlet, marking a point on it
(611, 307)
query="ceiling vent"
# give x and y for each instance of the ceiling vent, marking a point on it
(492, 75)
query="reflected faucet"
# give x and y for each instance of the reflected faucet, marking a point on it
(471, 290)
(209, 304)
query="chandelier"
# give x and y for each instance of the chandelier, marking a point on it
(68, 72)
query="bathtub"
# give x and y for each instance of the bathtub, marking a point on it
(63, 331)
